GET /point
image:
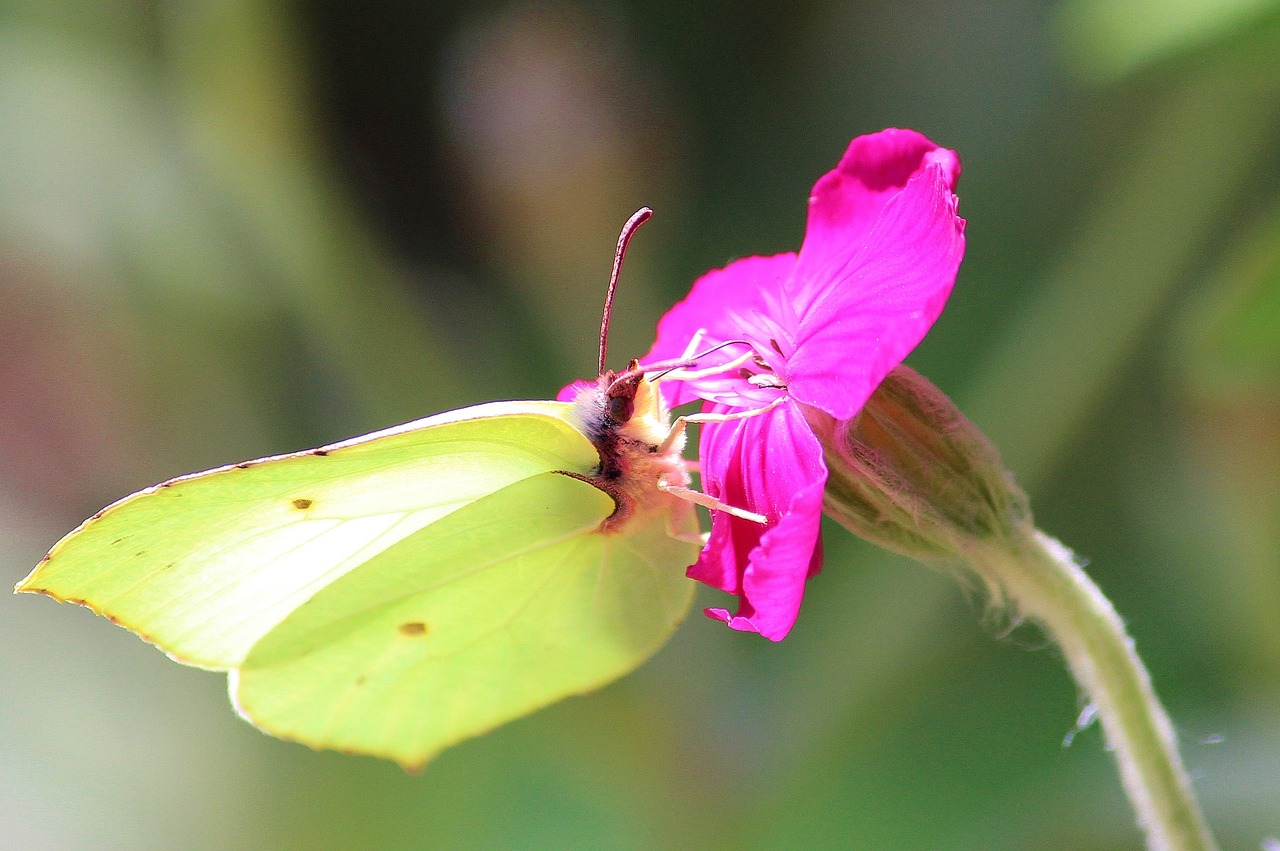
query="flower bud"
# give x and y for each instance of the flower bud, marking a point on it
(910, 473)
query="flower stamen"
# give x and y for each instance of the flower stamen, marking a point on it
(665, 368)
(682, 374)
(694, 341)
(768, 380)
(678, 427)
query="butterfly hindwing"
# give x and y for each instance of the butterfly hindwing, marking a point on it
(504, 606)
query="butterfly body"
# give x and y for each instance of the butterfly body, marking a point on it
(625, 418)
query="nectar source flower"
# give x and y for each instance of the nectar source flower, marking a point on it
(784, 340)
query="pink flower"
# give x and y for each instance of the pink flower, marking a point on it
(819, 330)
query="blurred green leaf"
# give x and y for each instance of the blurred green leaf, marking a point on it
(1124, 259)
(240, 83)
(1227, 354)
(1230, 337)
(1109, 39)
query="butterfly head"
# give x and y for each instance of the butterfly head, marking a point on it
(626, 419)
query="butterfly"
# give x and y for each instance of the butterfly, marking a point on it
(398, 592)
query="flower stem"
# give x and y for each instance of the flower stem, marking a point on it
(912, 474)
(1044, 583)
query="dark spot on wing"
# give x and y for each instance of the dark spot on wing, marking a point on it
(320, 452)
(302, 503)
(243, 465)
(161, 485)
(361, 680)
(96, 515)
(413, 628)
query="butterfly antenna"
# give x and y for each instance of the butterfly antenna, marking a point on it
(638, 218)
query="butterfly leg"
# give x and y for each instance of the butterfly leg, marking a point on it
(708, 501)
(679, 522)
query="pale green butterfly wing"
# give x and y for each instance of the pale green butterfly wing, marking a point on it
(205, 565)
(397, 592)
(504, 606)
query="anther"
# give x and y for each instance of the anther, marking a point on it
(770, 380)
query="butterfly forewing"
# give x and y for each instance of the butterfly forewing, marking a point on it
(205, 565)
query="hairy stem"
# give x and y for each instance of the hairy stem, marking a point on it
(1043, 582)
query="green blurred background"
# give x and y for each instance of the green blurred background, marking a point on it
(230, 228)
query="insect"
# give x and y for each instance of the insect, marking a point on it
(395, 593)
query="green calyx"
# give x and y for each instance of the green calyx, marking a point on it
(910, 473)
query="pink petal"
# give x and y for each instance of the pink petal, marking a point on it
(881, 301)
(847, 201)
(771, 464)
(725, 304)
